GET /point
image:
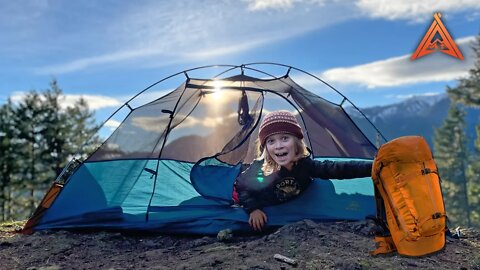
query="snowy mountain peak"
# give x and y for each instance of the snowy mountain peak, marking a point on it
(428, 98)
(411, 105)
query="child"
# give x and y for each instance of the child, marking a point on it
(284, 168)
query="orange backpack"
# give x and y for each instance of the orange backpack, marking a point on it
(406, 176)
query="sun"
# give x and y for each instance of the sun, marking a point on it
(217, 90)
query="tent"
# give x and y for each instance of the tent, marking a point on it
(170, 164)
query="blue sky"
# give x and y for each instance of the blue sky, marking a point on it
(106, 51)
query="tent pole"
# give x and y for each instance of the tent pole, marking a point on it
(163, 145)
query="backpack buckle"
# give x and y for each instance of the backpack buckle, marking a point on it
(426, 171)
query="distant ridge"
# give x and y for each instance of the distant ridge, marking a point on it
(417, 115)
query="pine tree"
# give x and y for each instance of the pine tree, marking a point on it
(82, 127)
(29, 124)
(473, 174)
(67, 129)
(467, 92)
(8, 167)
(55, 134)
(451, 157)
(43, 136)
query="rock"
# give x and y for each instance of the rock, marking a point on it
(201, 242)
(153, 254)
(150, 243)
(310, 223)
(225, 235)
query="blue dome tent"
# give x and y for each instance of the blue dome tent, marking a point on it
(170, 164)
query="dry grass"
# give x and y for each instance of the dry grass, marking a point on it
(11, 226)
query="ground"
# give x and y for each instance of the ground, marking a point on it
(340, 245)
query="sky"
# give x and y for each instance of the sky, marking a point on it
(107, 51)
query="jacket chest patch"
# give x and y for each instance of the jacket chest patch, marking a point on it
(287, 189)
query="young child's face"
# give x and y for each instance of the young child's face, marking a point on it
(281, 147)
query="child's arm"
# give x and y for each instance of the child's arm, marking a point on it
(249, 200)
(251, 203)
(339, 169)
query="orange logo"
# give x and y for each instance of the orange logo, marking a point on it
(437, 38)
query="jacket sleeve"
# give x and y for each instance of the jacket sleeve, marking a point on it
(339, 169)
(249, 200)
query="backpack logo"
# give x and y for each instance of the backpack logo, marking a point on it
(437, 38)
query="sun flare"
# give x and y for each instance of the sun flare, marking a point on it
(217, 88)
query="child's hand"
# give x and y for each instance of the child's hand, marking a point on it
(257, 219)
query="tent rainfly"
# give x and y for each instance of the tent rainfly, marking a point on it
(170, 165)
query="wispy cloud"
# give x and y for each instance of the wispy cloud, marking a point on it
(219, 51)
(401, 70)
(86, 62)
(414, 10)
(257, 5)
(154, 34)
(94, 102)
(408, 96)
(269, 4)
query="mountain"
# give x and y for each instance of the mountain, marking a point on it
(418, 115)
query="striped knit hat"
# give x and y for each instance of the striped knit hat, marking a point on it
(279, 122)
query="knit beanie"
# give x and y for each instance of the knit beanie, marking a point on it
(279, 122)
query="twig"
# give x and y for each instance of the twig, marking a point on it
(285, 259)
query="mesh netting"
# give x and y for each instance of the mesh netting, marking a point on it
(218, 116)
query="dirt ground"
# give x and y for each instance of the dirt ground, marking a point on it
(341, 245)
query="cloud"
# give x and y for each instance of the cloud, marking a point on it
(151, 123)
(98, 102)
(398, 71)
(414, 10)
(154, 34)
(255, 5)
(408, 96)
(86, 62)
(225, 50)
(112, 124)
(94, 102)
(261, 5)
(145, 97)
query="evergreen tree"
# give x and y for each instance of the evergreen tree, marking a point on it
(473, 175)
(8, 167)
(66, 129)
(467, 92)
(42, 136)
(56, 132)
(82, 127)
(29, 124)
(451, 157)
